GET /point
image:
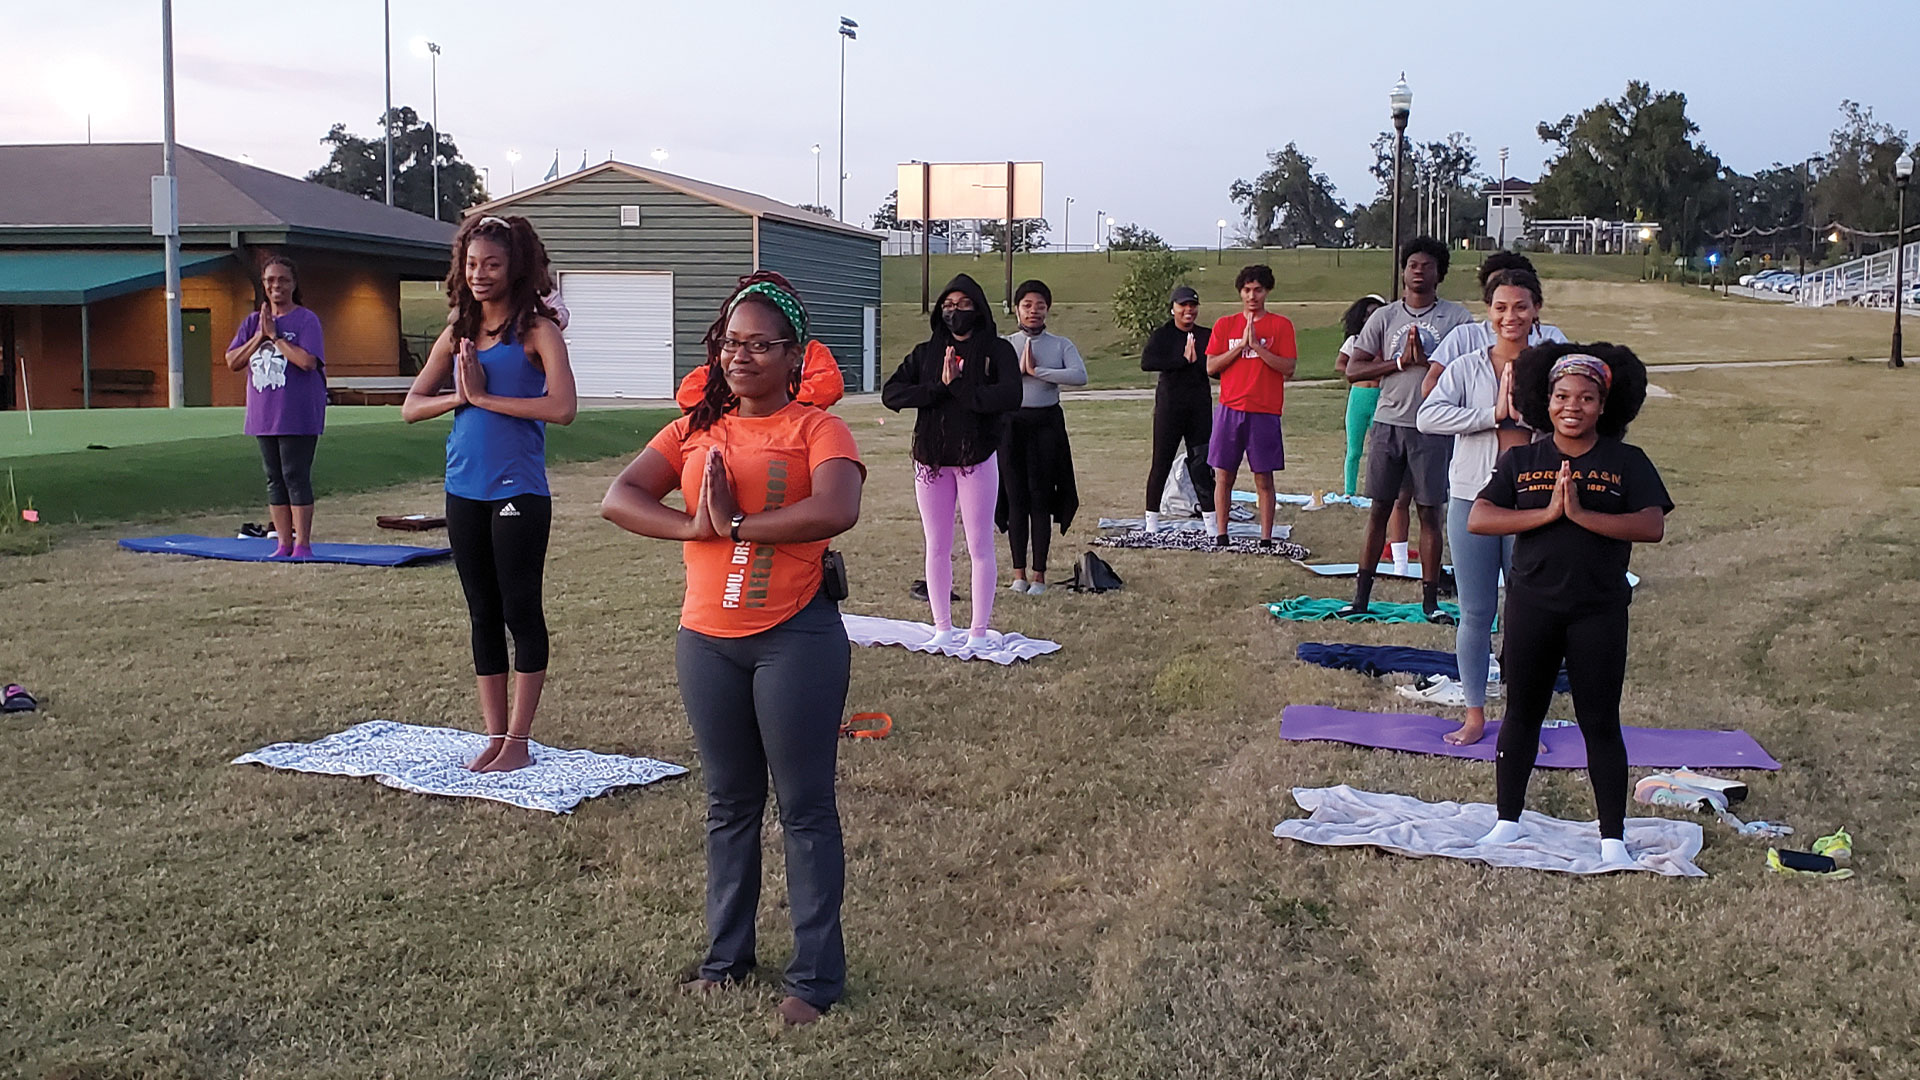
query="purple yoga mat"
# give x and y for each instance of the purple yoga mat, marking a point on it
(1661, 748)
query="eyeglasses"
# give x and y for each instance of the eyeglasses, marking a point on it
(729, 346)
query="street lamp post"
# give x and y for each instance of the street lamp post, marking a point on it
(167, 219)
(1646, 252)
(1903, 172)
(1339, 239)
(1097, 214)
(513, 158)
(1400, 101)
(431, 51)
(1220, 242)
(816, 174)
(1066, 229)
(1109, 239)
(386, 118)
(1500, 241)
(1806, 204)
(849, 31)
(659, 155)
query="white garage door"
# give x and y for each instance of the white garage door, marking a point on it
(620, 333)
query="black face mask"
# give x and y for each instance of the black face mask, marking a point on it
(957, 320)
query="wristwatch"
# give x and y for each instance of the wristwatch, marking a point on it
(738, 518)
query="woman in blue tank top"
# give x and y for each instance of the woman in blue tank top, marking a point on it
(507, 365)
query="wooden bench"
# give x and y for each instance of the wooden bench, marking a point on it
(368, 390)
(136, 382)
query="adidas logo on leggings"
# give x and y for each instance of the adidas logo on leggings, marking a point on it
(509, 510)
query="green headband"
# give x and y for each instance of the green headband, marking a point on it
(788, 304)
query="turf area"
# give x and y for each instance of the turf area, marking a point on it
(1059, 869)
(66, 430)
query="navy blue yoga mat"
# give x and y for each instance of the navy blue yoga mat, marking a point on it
(252, 550)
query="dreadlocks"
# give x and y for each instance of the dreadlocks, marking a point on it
(719, 398)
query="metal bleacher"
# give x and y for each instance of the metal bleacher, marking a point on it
(1864, 282)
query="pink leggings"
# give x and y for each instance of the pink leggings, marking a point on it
(975, 489)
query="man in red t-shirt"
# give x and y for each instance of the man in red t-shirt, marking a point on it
(1253, 355)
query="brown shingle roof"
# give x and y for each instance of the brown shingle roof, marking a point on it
(108, 185)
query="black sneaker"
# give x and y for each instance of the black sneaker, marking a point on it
(918, 590)
(1449, 588)
(254, 529)
(1221, 541)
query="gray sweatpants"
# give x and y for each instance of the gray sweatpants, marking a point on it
(772, 702)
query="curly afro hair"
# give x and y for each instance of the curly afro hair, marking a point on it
(1428, 246)
(1502, 260)
(1624, 398)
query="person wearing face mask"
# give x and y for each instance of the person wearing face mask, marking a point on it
(1036, 461)
(1182, 404)
(961, 382)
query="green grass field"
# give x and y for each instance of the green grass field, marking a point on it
(1058, 870)
(178, 469)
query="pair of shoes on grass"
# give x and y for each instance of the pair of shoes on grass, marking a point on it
(1442, 690)
(918, 590)
(1029, 588)
(793, 1011)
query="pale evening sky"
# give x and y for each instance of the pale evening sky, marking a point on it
(1145, 110)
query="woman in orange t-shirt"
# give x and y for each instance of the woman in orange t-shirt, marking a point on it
(762, 656)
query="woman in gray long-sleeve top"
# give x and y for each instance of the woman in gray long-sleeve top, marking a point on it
(1036, 462)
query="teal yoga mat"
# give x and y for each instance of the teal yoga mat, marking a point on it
(1317, 609)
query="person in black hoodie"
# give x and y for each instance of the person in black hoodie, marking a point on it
(963, 381)
(1182, 404)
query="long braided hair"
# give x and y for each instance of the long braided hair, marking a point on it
(528, 277)
(719, 398)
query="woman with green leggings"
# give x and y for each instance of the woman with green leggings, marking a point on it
(1363, 396)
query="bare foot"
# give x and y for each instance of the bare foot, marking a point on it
(796, 1013)
(494, 743)
(512, 755)
(1468, 734)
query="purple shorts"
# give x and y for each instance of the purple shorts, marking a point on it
(1253, 436)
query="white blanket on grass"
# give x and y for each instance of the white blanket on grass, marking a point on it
(433, 761)
(1348, 817)
(1249, 529)
(1331, 498)
(918, 636)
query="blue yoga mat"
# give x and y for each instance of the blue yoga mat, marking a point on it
(251, 550)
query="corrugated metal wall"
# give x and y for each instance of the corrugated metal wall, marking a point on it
(837, 276)
(707, 247)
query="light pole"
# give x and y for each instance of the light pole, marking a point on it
(167, 217)
(1500, 241)
(1339, 238)
(816, 174)
(1903, 172)
(431, 50)
(659, 155)
(1109, 239)
(1806, 204)
(1220, 241)
(1400, 101)
(1646, 251)
(513, 158)
(386, 118)
(1096, 229)
(1066, 229)
(849, 31)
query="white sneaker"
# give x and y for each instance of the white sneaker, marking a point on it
(1018, 585)
(1035, 588)
(1211, 521)
(1152, 521)
(1437, 690)
(953, 638)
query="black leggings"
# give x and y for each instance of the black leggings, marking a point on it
(1029, 463)
(1594, 646)
(1173, 420)
(500, 548)
(289, 463)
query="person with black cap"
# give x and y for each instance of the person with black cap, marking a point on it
(1036, 462)
(962, 382)
(1182, 404)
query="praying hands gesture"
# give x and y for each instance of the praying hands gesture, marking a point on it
(469, 378)
(1415, 354)
(1027, 366)
(1191, 354)
(950, 367)
(1503, 398)
(714, 517)
(269, 330)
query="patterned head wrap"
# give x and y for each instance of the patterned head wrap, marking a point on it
(1581, 364)
(788, 304)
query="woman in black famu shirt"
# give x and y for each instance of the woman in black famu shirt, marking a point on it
(1576, 504)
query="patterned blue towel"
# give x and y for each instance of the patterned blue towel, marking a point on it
(433, 761)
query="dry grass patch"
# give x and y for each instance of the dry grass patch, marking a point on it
(1058, 869)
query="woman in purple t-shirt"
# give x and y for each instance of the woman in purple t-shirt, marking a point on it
(280, 347)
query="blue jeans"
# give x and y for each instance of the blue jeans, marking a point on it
(1477, 562)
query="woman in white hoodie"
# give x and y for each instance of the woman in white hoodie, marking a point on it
(1473, 402)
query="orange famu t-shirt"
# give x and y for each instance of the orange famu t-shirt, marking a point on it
(735, 590)
(1248, 384)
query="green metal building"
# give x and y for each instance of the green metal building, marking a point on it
(646, 258)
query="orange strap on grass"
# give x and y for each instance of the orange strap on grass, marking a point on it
(867, 725)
